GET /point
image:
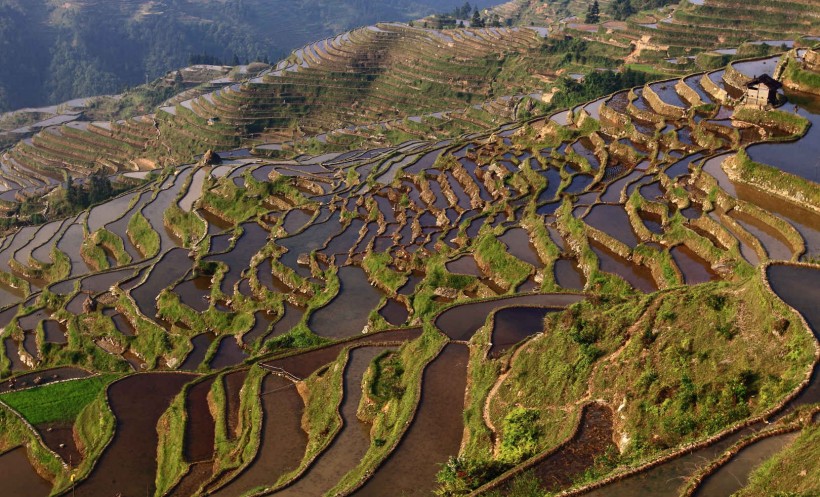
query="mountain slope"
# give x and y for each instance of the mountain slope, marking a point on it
(62, 50)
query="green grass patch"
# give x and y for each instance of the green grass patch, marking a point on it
(143, 236)
(795, 471)
(57, 402)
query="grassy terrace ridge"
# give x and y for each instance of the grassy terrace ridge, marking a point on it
(790, 472)
(58, 402)
(448, 174)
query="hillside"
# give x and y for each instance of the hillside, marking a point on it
(484, 261)
(64, 50)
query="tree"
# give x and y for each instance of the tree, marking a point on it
(99, 188)
(476, 21)
(593, 13)
(621, 9)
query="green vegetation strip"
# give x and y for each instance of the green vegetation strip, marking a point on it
(58, 401)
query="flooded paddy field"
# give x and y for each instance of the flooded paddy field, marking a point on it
(432, 268)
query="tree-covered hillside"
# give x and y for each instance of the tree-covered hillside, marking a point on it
(52, 51)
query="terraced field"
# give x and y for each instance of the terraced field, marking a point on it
(400, 275)
(615, 299)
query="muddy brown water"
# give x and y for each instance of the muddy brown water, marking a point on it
(261, 325)
(233, 383)
(120, 322)
(462, 321)
(652, 221)
(433, 435)
(348, 312)
(614, 189)
(18, 476)
(612, 220)
(200, 344)
(805, 221)
(119, 227)
(578, 454)
(773, 241)
(70, 244)
(173, 265)
(133, 360)
(59, 437)
(215, 223)
(519, 245)
(264, 273)
(346, 240)
(199, 429)
(189, 484)
(412, 281)
(291, 317)
(228, 353)
(734, 475)
(54, 331)
(128, 465)
(800, 288)
(694, 268)
(352, 441)
(639, 276)
(45, 377)
(11, 349)
(312, 238)
(513, 324)
(195, 292)
(394, 312)
(105, 213)
(253, 238)
(666, 480)
(303, 365)
(465, 264)
(283, 442)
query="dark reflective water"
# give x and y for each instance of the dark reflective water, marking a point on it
(433, 435)
(514, 324)
(348, 312)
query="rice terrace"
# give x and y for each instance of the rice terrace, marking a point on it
(547, 247)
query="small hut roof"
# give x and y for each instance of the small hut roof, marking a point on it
(766, 80)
